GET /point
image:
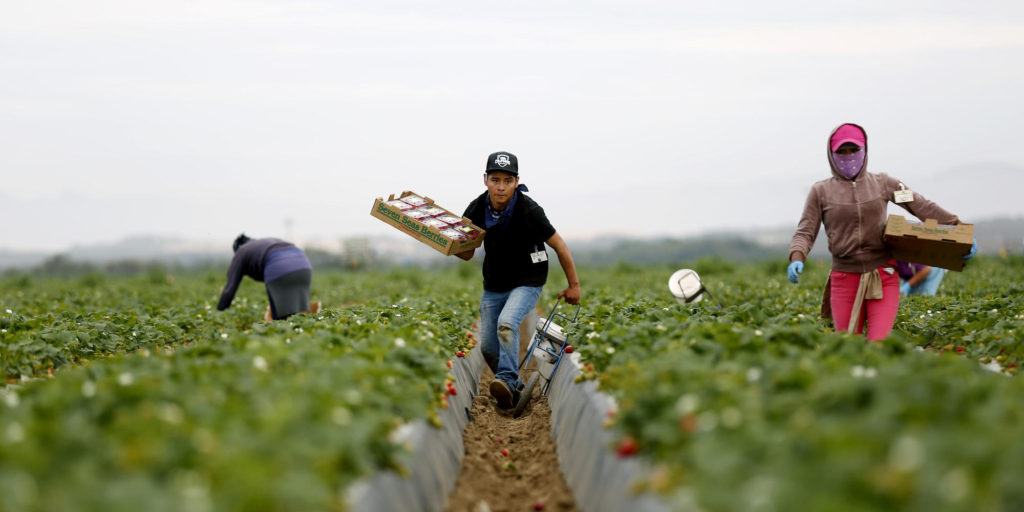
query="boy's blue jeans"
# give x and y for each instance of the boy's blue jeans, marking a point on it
(500, 316)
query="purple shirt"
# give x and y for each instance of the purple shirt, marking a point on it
(906, 269)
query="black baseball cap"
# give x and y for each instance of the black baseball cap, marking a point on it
(502, 161)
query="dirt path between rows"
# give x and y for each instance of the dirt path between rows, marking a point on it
(527, 478)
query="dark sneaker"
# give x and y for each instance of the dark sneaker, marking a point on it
(503, 394)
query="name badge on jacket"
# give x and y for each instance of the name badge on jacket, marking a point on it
(539, 256)
(904, 195)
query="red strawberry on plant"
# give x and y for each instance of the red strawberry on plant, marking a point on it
(460, 354)
(449, 363)
(627, 447)
(505, 452)
(568, 349)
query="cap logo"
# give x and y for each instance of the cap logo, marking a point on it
(502, 161)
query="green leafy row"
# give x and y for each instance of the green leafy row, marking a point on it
(48, 324)
(193, 409)
(759, 406)
(159, 402)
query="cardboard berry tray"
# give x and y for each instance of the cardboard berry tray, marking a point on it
(407, 213)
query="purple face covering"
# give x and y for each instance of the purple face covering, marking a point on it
(849, 165)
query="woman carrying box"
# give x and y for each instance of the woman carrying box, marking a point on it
(863, 284)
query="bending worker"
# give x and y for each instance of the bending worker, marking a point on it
(918, 279)
(283, 268)
(863, 285)
(515, 268)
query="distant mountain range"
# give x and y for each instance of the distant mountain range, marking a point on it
(994, 235)
(189, 253)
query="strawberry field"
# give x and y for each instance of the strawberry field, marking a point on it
(755, 407)
(135, 393)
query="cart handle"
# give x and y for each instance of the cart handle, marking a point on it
(552, 314)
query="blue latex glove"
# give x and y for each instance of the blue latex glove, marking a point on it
(905, 288)
(974, 249)
(794, 271)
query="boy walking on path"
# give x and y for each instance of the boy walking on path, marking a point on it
(515, 268)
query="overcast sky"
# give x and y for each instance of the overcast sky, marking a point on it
(201, 119)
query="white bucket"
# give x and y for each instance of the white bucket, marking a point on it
(686, 286)
(554, 332)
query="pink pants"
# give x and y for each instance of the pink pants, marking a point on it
(879, 313)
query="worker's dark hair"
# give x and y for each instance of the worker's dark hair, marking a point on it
(239, 241)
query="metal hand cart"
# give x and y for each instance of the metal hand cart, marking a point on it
(551, 341)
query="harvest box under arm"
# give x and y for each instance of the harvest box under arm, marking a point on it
(930, 243)
(430, 235)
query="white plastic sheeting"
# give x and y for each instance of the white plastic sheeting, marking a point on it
(600, 480)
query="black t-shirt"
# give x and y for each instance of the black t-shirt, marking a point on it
(507, 261)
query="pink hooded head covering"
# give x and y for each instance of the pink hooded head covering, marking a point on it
(848, 133)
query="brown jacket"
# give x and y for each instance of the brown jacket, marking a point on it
(854, 214)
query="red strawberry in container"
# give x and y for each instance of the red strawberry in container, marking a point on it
(414, 200)
(468, 231)
(401, 205)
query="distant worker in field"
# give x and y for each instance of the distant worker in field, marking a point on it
(863, 284)
(918, 279)
(283, 268)
(515, 268)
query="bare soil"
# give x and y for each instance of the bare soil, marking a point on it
(528, 478)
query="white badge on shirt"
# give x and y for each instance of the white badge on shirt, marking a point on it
(904, 195)
(539, 256)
